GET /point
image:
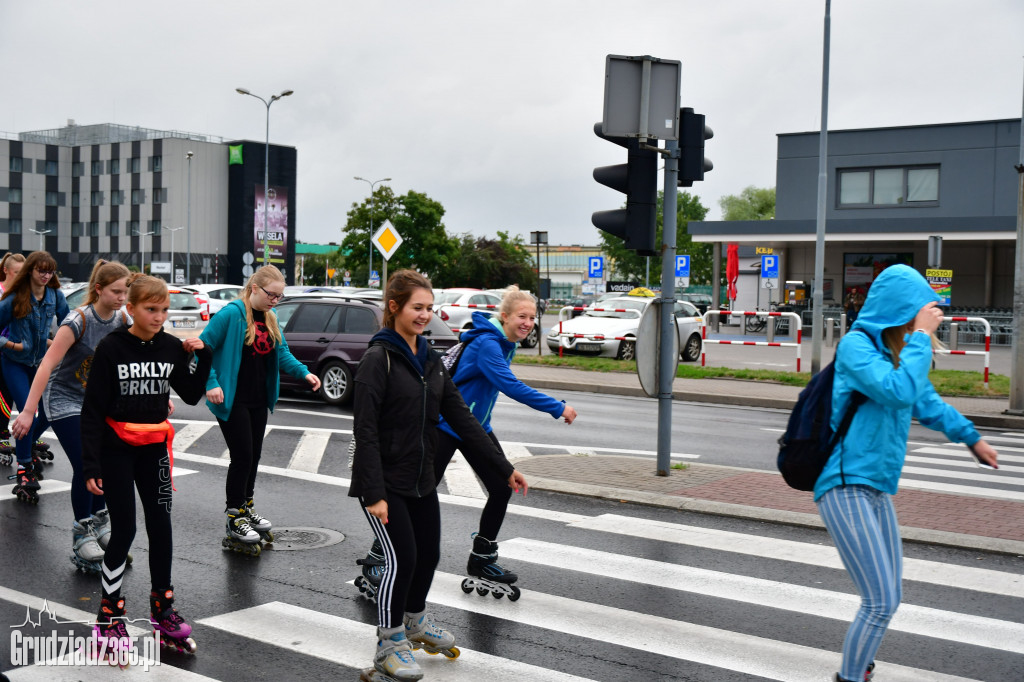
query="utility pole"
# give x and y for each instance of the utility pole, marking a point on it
(1017, 354)
(819, 243)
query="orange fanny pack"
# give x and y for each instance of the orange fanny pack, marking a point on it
(147, 434)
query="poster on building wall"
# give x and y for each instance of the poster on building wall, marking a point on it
(276, 201)
(861, 269)
(941, 282)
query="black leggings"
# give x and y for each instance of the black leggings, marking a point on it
(243, 433)
(498, 492)
(412, 547)
(148, 469)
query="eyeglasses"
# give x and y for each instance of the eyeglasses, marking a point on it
(45, 273)
(273, 297)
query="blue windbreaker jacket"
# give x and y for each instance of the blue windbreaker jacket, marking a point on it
(483, 372)
(873, 450)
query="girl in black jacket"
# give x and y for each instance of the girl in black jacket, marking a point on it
(401, 391)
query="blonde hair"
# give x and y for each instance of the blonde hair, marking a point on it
(104, 273)
(142, 288)
(262, 277)
(8, 257)
(894, 339)
(512, 298)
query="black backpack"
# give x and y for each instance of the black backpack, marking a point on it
(450, 358)
(808, 442)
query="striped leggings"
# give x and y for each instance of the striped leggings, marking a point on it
(862, 523)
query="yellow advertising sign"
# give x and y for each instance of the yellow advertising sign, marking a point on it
(763, 250)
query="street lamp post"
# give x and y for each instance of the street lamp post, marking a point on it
(42, 244)
(372, 208)
(172, 230)
(266, 163)
(188, 234)
(142, 251)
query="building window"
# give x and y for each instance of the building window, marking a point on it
(51, 168)
(156, 163)
(116, 197)
(51, 227)
(74, 199)
(15, 164)
(78, 169)
(133, 227)
(51, 198)
(159, 195)
(138, 196)
(76, 229)
(115, 166)
(97, 198)
(14, 195)
(14, 226)
(154, 227)
(134, 164)
(112, 228)
(97, 168)
(888, 187)
(94, 229)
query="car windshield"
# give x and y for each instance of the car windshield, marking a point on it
(448, 297)
(617, 304)
(183, 301)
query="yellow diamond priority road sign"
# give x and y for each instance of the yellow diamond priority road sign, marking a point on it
(387, 240)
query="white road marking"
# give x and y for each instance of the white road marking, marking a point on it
(185, 437)
(313, 413)
(461, 480)
(309, 451)
(969, 490)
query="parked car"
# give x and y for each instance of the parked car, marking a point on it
(578, 302)
(186, 317)
(700, 301)
(453, 306)
(75, 295)
(218, 295)
(612, 333)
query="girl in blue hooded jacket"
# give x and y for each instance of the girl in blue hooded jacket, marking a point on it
(888, 364)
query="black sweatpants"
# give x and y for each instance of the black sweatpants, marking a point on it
(146, 468)
(412, 547)
(243, 433)
(498, 492)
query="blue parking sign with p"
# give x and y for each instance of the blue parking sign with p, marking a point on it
(595, 266)
(770, 267)
(682, 266)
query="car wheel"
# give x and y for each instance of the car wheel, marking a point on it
(691, 351)
(532, 338)
(335, 383)
(627, 350)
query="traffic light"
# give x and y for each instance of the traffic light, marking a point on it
(692, 133)
(638, 180)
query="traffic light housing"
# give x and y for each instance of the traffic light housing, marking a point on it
(638, 180)
(692, 133)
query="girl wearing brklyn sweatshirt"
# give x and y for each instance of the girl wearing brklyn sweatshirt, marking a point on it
(126, 444)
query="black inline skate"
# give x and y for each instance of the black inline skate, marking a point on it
(6, 448)
(110, 634)
(259, 523)
(373, 571)
(485, 573)
(239, 535)
(26, 486)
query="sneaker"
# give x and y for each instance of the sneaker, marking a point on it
(394, 657)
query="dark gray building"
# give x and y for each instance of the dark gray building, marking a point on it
(889, 189)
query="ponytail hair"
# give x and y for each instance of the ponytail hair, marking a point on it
(104, 273)
(142, 288)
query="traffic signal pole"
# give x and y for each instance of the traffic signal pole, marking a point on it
(666, 361)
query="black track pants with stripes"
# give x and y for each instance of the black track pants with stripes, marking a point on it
(412, 547)
(148, 469)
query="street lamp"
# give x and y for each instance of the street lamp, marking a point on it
(188, 259)
(372, 208)
(266, 163)
(142, 251)
(42, 245)
(172, 230)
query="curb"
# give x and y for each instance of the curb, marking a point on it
(909, 534)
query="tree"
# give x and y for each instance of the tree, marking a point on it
(752, 203)
(486, 263)
(627, 265)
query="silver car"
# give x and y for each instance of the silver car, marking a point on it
(455, 306)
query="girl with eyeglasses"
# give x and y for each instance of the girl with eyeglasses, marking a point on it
(27, 309)
(249, 352)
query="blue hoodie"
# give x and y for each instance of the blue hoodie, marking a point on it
(873, 450)
(483, 371)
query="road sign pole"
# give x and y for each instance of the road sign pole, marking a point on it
(666, 361)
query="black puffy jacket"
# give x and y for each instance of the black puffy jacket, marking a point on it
(396, 413)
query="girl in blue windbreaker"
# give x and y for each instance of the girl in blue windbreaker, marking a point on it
(888, 364)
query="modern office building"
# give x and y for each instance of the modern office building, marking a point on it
(566, 267)
(889, 190)
(136, 195)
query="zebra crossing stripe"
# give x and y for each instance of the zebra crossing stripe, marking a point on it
(920, 570)
(1005, 470)
(309, 451)
(918, 620)
(351, 643)
(1000, 476)
(963, 455)
(185, 436)
(460, 478)
(968, 490)
(771, 659)
(46, 486)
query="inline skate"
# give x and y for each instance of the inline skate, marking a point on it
(172, 630)
(423, 633)
(393, 661)
(485, 573)
(258, 523)
(240, 537)
(87, 554)
(373, 571)
(101, 525)
(6, 448)
(110, 634)
(26, 486)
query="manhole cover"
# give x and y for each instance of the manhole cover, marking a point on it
(289, 539)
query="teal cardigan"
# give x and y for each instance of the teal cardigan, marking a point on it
(225, 336)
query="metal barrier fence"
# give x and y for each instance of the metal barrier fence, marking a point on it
(751, 313)
(987, 335)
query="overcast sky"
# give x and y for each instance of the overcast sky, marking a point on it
(488, 107)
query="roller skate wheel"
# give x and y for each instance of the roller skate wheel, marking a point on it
(268, 537)
(255, 549)
(467, 586)
(482, 591)
(497, 595)
(452, 653)
(516, 593)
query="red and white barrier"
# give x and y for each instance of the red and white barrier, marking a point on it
(988, 342)
(797, 324)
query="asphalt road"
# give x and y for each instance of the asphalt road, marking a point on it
(611, 591)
